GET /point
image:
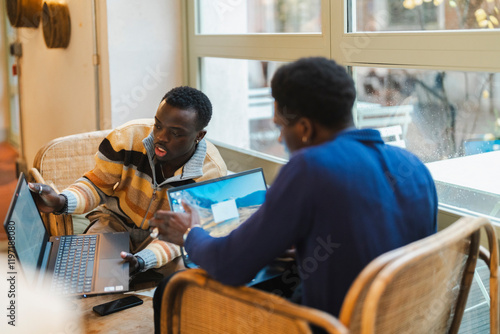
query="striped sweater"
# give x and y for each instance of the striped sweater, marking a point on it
(124, 181)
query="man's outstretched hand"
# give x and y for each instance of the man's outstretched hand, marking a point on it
(172, 225)
(46, 199)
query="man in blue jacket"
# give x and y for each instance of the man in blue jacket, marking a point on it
(343, 198)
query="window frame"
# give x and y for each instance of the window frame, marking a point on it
(270, 47)
(453, 50)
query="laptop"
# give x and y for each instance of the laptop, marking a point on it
(48, 261)
(223, 204)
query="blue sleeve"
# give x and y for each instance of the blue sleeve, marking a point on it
(280, 223)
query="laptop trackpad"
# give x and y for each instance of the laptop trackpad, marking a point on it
(112, 275)
(112, 268)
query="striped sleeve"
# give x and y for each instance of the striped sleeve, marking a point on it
(86, 193)
(89, 191)
(158, 253)
(82, 196)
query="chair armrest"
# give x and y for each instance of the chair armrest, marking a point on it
(192, 299)
(484, 255)
(38, 178)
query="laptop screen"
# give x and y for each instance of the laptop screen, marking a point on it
(223, 203)
(25, 229)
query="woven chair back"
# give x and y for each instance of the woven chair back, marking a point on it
(425, 289)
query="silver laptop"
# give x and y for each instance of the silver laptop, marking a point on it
(83, 264)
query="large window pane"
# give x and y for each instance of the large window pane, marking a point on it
(259, 16)
(448, 118)
(243, 107)
(405, 15)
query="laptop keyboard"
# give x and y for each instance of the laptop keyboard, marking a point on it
(74, 264)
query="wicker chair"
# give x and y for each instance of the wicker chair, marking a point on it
(423, 286)
(195, 303)
(61, 162)
(418, 288)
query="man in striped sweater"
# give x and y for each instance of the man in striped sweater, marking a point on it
(135, 165)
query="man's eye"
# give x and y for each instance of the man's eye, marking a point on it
(157, 126)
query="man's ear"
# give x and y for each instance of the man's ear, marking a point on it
(306, 129)
(201, 134)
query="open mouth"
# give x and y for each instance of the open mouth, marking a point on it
(160, 151)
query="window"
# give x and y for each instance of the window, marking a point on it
(411, 15)
(426, 72)
(258, 16)
(436, 114)
(243, 87)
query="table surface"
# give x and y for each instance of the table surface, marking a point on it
(137, 319)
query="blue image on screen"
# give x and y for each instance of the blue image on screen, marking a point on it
(237, 197)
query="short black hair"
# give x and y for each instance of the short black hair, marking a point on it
(189, 98)
(317, 88)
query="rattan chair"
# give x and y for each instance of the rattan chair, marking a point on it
(423, 287)
(418, 288)
(195, 303)
(61, 162)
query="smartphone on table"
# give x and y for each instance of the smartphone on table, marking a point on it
(117, 305)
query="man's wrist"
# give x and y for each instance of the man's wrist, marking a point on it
(64, 208)
(185, 235)
(141, 263)
(149, 258)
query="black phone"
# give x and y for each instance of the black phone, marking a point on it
(117, 305)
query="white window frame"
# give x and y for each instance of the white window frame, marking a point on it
(452, 50)
(270, 47)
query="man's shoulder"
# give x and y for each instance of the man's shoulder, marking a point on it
(130, 134)
(135, 128)
(212, 150)
(402, 154)
(213, 165)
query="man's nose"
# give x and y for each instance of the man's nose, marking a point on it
(163, 135)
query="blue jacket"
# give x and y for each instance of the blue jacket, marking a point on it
(341, 204)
